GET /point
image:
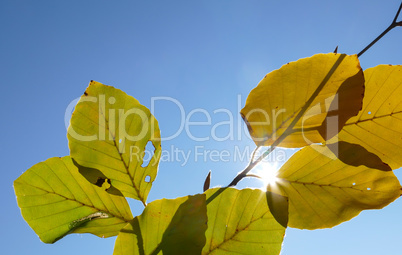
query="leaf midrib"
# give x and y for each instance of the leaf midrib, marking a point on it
(231, 238)
(74, 200)
(371, 119)
(126, 167)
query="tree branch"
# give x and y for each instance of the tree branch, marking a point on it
(393, 25)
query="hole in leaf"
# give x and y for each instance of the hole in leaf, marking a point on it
(147, 178)
(368, 188)
(369, 112)
(120, 141)
(354, 184)
(147, 154)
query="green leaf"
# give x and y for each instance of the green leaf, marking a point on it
(240, 222)
(308, 101)
(55, 200)
(329, 185)
(170, 226)
(109, 131)
(378, 126)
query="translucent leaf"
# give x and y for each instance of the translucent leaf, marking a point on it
(108, 133)
(309, 100)
(240, 222)
(55, 200)
(170, 226)
(329, 185)
(378, 126)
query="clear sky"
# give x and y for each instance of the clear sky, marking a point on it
(203, 54)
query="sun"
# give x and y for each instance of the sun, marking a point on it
(267, 171)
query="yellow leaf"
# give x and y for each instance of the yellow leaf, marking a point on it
(329, 185)
(242, 222)
(309, 100)
(378, 126)
(108, 133)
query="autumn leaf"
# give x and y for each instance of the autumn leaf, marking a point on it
(305, 102)
(327, 185)
(378, 126)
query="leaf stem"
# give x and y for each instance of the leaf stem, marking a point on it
(393, 25)
(254, 152)
(252, 163)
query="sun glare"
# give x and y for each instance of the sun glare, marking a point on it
(267, 171)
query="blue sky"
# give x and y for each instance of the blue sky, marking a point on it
(204, 54)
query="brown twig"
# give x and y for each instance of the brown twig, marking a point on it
(393, 25)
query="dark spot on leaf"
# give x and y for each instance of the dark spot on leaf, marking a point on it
(97, 178)
(85, 93)
(100, 181)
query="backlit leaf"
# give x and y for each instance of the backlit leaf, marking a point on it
(170, 226)
(240, 222)
(329, 185)
(378, 126)
(309, 100)
(55, 200)
(108, 132)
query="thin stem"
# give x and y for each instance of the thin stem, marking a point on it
(253, 155)
(252, 164)
(397, 13)
(393, 25)
(254, 176)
